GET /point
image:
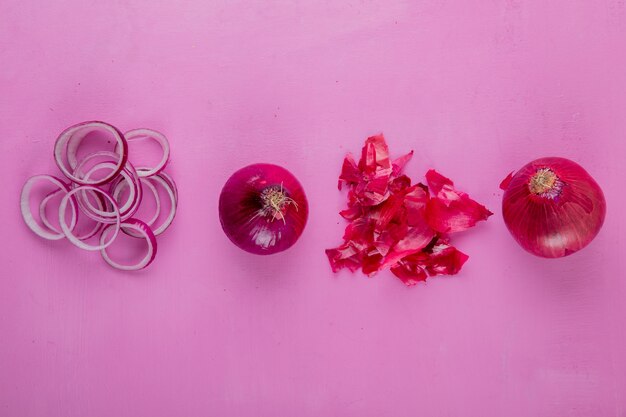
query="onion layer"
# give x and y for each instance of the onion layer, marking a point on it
(139, 134)
(99, 180)
(552, 207)
(263, 209)
(67, 229)
(49, 232)
(139, 229)
(400, 226)
(66, 146)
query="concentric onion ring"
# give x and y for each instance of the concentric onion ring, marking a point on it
(138, 134)
(139, 229)
(52, 233)
(128, 173)
(44, 218)
(127, 176)
(75, 135)
(67, 230)
(173, 203)
(42, 210)
(97, 198)
(170, 181)
(157, 201)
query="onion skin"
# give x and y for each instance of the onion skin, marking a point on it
(247, 219)
(552, 216)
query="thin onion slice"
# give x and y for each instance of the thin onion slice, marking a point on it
(73, 135)
(144, 182)
(97, 189)
(78, 169)
(171, 183)
(157, 202)
(166, 177)
(52, 233)
(68, 232)
(135, 228)
(157, 208)
(138, 134)
(128, 174)
(173, 203)
(44, 217)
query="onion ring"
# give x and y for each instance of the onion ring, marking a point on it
(138, 228)
(128, 173)
(42, 212)
(173, 203)
(27, 214)
(82, 129)
(97, 184)
(67, 231)
(144, 182)
(138, 134)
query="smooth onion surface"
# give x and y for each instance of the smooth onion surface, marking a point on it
(263, 209)
(553, 207)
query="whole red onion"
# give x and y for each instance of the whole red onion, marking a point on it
(263, 209)
(552, 207)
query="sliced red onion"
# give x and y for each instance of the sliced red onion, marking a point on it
(44, 217)
(85, 192)
(135, 228)
(144, 182)
(171, 182)
(52, 233)
(128, 174)
(157, 201)
(166, 177)
(68, 232)
(78, 170)
(73, 144)
(69, 140)
(157, 208)
(173, 203)
(139, 134)
(97, 224)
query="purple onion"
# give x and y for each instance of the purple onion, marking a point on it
(263, 209)
(552, 207)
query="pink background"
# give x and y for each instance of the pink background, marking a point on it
(476, 88)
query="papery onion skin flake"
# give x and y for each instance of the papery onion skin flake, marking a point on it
(397, 225)
(263, 209)
(552, 207)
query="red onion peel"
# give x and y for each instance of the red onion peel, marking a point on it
(400, 226)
